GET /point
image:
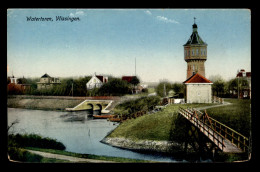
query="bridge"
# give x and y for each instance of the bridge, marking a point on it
(223, 137)
(95, 105)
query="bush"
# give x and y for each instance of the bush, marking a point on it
(141, 104)
(33, 140)
(19, 154)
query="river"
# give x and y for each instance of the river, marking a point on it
(76, 130)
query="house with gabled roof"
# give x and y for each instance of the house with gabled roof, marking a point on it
(198, 89)
(96, 81)
(46, 82)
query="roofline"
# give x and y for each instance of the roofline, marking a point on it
(198, 83)
(185, 82)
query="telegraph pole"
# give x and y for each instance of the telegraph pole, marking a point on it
(135, 66)
(72, 89)
(237, 85)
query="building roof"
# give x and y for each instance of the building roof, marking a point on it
(197, 78)
(127, 78)
(45, 76)
(195, 39)
(100, 77)
(240, 74)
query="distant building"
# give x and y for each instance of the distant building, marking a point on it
(127, 78)
(16, 87)
(96, 81)
(135, 89)
(198, 89)
(47, 82)
(245, 92)
(13, 80)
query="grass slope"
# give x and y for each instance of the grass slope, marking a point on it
(157, 126)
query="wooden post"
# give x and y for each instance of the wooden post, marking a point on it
(238, 143)
(244, 144)
(232, 137)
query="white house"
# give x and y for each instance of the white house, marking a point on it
(198, 89)
(96, 81)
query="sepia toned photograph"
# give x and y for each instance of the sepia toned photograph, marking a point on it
(129, 86)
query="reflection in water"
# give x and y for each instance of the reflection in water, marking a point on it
(78, 131)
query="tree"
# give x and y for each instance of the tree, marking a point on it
(114, 87)
(135, 81)
(162, 88)
(218, 85)
(178, 89)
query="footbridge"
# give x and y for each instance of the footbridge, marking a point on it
(222, 136)
(101, 105)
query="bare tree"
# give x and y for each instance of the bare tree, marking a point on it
(12, 124)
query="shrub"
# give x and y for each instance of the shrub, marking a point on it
(33, 140)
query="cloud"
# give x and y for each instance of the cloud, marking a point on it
(165, 19)
(77, 13)
(148, 12)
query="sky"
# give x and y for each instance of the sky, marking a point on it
(108, 41)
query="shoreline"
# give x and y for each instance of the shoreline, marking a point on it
(153, 146)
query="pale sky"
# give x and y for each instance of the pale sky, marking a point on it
(107, 41)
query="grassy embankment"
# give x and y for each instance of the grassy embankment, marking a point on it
(157, 126)
(167, 125)
(237, 115)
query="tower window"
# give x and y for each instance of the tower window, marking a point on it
(204, 51)
(193, 52)
(197, 51)
(185, 52)
(201, 50)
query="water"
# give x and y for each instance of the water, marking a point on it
(76, 130)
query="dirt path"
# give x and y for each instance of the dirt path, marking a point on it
(218, 105)
(69, 158)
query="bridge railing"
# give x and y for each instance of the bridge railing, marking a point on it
(221, 129)
(230, 134)
(193, 116)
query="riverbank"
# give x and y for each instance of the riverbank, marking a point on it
(164, 131)
(143, 145)
(55, 103)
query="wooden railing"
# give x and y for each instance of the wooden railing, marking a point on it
(230, 134)
(215, 129)
(193, 116)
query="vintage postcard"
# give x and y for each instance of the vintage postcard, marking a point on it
(129, 85)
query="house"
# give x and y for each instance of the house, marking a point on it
(47, 82)
(245, 91)
(127, 78)
(96, 81)
(15, 86)
(198, 89)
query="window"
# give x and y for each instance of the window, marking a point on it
(185, 53)
(197, 51)
(204, 52)
(201, 51)
(193, 52)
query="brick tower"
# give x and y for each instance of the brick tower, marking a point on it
(195, 53)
